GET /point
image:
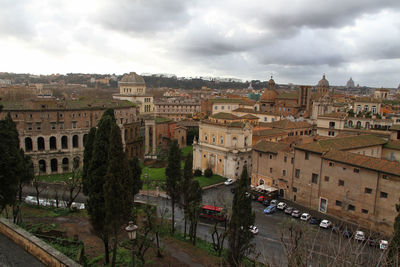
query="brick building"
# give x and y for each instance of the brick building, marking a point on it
(54, 132)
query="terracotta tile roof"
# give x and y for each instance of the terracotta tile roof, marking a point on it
(249, 117)
(392, 145)
(395, 127)
(338, 115)
(224, 116)
(367, 162)
(367, 99)
(233, 100)
(342, 143)
(286, 124)
(270, 147)
(268, 132)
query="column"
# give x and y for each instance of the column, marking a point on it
(154, 140)
(146, 136)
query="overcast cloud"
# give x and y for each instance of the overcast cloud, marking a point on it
(294, 40)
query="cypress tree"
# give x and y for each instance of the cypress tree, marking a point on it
(174, 177)
(136, 172)
(11, 162)
(95, 178)
(187, 180)
(118, 188)
(239, 235)
(87, 156)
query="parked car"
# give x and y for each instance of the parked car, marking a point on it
(296, 214)
(274, 202)
(266, 202)
(372, 242)
(229, 182)
(261, 199)
(359, 236)
(336, 229)
(281, 206)
(30, 200)
(254, 229)
(325, 224)
(314, 220)
(383, 244)
(347, 233)
(289, 210)
(305, 217)
(270, 209)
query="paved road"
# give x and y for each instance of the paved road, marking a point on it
(13, 255)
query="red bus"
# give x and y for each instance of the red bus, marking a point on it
(213, 213)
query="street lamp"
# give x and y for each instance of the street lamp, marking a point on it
(131, 230)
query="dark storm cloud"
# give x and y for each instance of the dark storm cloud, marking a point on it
(147, 16)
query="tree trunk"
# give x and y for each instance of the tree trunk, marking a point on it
(106, 251)
(158, 246)
(114, 257)
(173, 215)
(184, 233)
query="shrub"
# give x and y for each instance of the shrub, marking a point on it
(208, 172)
(197, 173)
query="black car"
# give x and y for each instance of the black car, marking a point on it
(347, 233)
(336, 229)
(372, 242)
(315, 221)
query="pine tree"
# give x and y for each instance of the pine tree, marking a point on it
(136, 172)
(87, 156)
(95, 178)
(174, 177)
(239, 235)
(11, 162)
(187, 180)
(118, 188)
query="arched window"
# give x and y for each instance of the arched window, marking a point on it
(358, 124)
(261, 182)
(64, 142)
(40, 143)
(350, 124)
(54, 165)
(84, 140)
(221, 140)
(42, 166)
(234, 140)
(183, 140)
(28, 144)
(367, 125)
(65, 164)
(75, 141)
(53, 143)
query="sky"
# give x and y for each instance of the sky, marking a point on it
(295, 41)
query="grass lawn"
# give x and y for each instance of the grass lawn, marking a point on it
(55, 177)
(205, 181)
(186, 150)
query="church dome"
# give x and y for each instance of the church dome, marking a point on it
(271, 84)
(133, 78)
(268, 96)
(323, 82)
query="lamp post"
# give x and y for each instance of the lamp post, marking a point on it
(131, 230)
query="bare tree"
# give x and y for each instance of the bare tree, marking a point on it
(73, 185)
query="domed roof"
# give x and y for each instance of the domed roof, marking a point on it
(268, 96)
(132, 78)
(271, 83)
(323, 82)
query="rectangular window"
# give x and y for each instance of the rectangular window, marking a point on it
(223, 107)
(331, 164)
(29, 126)
(356, 170)
(384, 194)
(260, 154)
(74, 124)
(285, 159)
(53, 125)
(270, 156)
(326, 178)
(284, 172)
(38, 126)
(341, 183)
(385, 177)
(297, 173)
(314, 178)
(364, 211)
(351, 207)
(368, 190)
(323, 204)
(61, 125)
(338, 203)
(86, 124)
(292, 160)
(306, 156)
(216, 107)
(294, 189)
(270, 170)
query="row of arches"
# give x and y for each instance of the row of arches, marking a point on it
(54, 165)
(41, 145)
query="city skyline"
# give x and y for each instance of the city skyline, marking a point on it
(295, 42)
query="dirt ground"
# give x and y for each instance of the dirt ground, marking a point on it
(176, 253)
